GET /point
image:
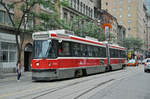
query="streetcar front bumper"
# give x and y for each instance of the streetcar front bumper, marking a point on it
(44, 74)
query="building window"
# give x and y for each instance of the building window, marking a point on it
(129, 1)
(114, 3)
(120, 9)
(71, 3)
(81, 7)
(7, 19)
(65, 16)
(1, 6)
(4, 18)
(71, 18)
(121, 22)
(129, 21)
(114, 9)
(120, 16)
(78, 5)
(2, 13)
(75, 4)
(120, 1)
(129, 28)
(106, 3)
(7, 52)
(84, 8)
(129, 7)
(129, 14)
(91, 13)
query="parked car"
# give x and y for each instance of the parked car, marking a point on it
(143, 61)
(132, 62)
(139, 61)
(147, 65)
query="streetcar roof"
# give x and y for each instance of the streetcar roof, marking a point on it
(116, 46)
(68, 36)
(61, 35)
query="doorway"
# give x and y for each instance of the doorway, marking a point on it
(27, 57)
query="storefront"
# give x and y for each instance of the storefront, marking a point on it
(8, 53)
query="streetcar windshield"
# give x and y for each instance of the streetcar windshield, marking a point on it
(43, 49)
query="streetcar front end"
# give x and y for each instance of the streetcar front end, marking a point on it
(44, 62)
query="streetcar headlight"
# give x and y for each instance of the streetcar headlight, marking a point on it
(37, 64)
(49, 64)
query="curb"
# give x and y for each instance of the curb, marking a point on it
(9, 75)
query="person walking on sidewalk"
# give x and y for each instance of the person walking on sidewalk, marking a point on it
(19, 66)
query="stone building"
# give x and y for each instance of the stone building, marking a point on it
(107, 19)
(129, 13)
(77, 8)
(121, 34)
(147, 36)
(8, 49)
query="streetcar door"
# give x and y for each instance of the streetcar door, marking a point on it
(108, 54)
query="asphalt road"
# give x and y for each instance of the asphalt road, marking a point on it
(130, 83)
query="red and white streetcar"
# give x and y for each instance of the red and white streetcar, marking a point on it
(59, 55)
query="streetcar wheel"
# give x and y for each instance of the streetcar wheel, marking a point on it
(107, 69)
(78, 73)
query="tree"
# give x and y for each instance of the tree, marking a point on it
(83, 26)
(26, 10)
(134, 44)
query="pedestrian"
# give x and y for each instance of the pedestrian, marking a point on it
(18, 70)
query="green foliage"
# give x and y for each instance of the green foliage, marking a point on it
(64, 3)
(83, 27)
(132, 43)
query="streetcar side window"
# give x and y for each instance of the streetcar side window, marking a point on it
(96, 51)
(102, 52)
(75, 48)
(123, 54)
(64, 49)
(89, 48)
(112, 52)
(119, 53)
(83, 49)
(116, 53)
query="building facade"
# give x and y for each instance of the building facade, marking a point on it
(8, 47)
(121, 34)
(130, 14)
(147, 37)
(77, 8)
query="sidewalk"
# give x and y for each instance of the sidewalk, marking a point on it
(8, 76)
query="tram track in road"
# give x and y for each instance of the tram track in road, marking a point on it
(39, 92)
(52, 90)
(91, 88)
(98, 85)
